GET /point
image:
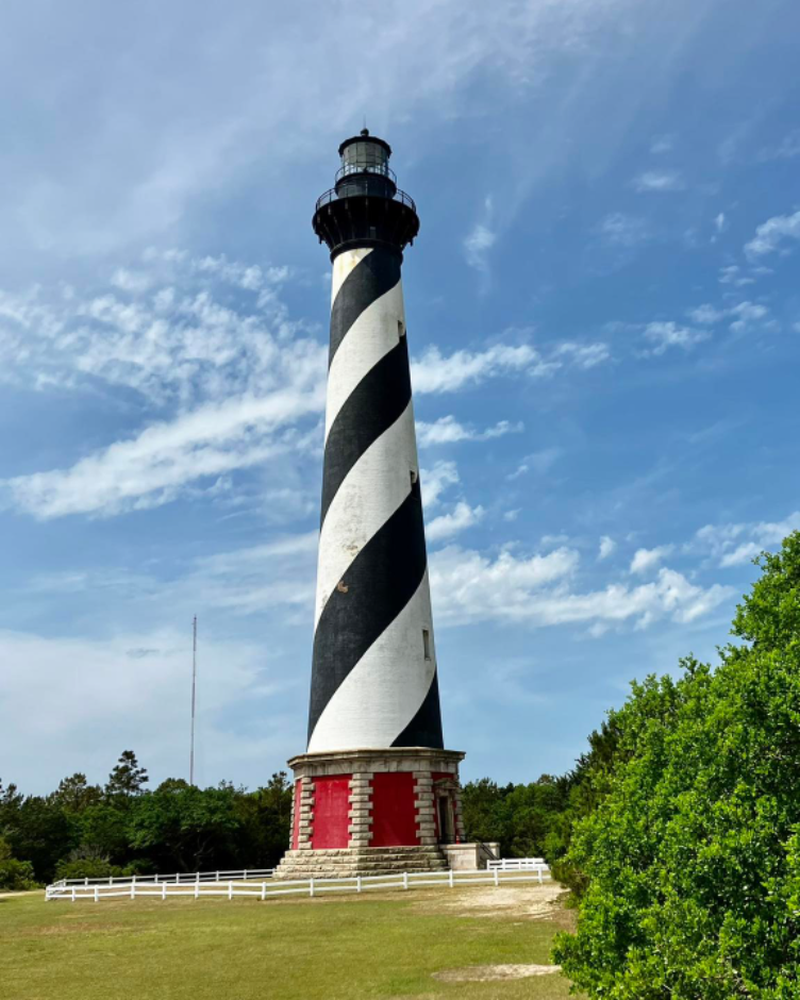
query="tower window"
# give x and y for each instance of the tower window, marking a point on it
(426, 643)
(412, 476)
(401, 328)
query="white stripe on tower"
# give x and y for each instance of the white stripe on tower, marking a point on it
(374, 675)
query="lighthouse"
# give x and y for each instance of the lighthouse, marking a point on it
(375, 790)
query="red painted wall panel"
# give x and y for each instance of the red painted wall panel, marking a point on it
(296, 823)
(331, 805)
(393, 815)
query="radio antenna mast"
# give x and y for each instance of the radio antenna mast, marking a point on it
(194, 696)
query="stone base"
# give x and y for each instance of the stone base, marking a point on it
(349, 861)
(469, 857)
(365, 800)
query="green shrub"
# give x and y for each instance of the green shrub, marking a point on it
(69, 868)
(689, 870)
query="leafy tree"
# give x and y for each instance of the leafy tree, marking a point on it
(10, 801)
(14, 874)
(40, 831)
(127, 779)
(74, 794)
(103, 831)
(483, 813)
(690, 865)
(186, 826)
(264, 815)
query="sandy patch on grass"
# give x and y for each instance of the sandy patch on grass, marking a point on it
(485, 973)
(531, 901)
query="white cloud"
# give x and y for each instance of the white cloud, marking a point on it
(744, 316)
(436, 481)
(734, 544)
(253, 580)
(459, 519)
(584, 355)
(171, 331)
(770, 235)
(645, 560)
(619, 229)
(662, 144)
(720, 222)
(447, 430)
(477, 246)
(659, 180)
(747, 314)
(434, 372)
(469, 587)
(669, 334)
(607, 547)
(130, 281)
(787, 149)
(706, 314)
(152, 468)
(539, 461)
(732, 275)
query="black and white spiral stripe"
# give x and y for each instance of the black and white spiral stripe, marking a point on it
(372, 683)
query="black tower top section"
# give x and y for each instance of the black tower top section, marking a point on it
(365, 207)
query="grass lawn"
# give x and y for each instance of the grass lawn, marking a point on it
(345, 948)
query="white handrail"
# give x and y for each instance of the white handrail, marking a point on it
(238, 875)
(310, 887)
(518, 864)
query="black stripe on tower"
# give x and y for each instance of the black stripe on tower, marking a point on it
(367, 413)
(372, 277)
(378, 584)
(425, 729)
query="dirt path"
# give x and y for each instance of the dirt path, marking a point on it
(527, 901)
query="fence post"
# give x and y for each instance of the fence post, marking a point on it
(133, 890)
(358, 883)
(450, 878)
(216, 876)
(96, 893)
(539, 869)
(311, 887)
(86, 881)
(245, 874)
(263, 891)
(73, 895)
(230, 890)
(497, 876)
(163, 890)
(405, 880)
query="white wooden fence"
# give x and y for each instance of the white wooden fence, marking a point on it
(176, 878)
(274, 887)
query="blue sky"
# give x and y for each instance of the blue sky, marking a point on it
(603, 312)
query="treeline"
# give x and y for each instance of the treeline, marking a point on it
(82, 830)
